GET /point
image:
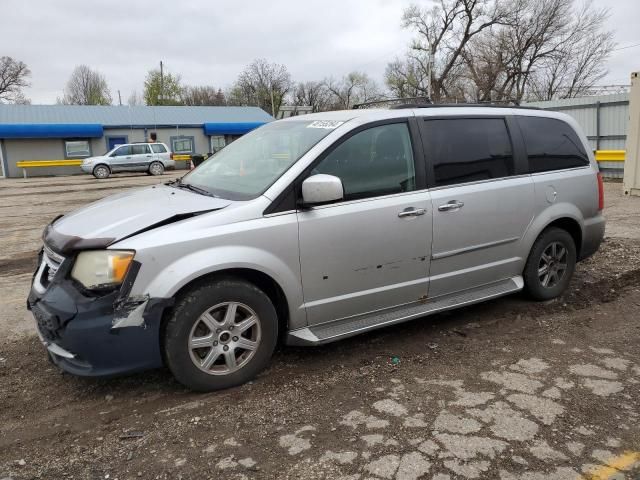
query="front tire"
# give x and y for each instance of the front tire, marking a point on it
(101, 172)
(550, 265)
(220, 335)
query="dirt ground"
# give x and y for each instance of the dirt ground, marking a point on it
(506, 390)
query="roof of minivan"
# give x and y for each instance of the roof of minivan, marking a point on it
(431, 111)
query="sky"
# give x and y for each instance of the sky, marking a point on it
(210, 42)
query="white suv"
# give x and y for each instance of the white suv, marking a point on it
(152, 158)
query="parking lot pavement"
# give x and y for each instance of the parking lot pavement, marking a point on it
(508, 389)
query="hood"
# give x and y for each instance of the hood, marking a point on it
(113, 218)
(95, 158)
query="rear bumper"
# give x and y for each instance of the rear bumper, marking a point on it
(592, 236)
(78, 331)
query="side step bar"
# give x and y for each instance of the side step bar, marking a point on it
(348, 327)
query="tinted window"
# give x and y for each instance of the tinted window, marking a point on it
(158, 148)
(126, 150)
(468, 150)
(374, 162)
(551, 144)
(139, 149)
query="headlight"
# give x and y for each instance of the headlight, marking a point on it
(101, 268)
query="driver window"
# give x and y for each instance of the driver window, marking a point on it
(377, 161)
(126, 150)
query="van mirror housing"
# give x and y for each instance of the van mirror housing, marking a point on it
(321, 188)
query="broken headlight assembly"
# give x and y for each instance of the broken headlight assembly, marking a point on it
(100, 269)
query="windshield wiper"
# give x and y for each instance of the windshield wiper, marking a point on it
(194, 189)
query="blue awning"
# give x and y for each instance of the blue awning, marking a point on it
(51, 130)
(230, 128)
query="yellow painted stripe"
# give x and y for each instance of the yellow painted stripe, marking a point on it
(614, 466)
(182, 157)
(610, 155)
(48, 163)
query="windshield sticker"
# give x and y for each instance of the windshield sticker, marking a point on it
(329, 124)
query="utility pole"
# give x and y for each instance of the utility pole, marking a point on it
(119, 98)
(161, 94)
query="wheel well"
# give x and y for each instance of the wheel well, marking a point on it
(573, 228)
(102, 165)
(261, 280)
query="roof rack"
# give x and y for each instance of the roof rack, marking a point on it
(481, 104)
(402, 102)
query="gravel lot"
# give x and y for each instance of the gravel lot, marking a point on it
(506, 390)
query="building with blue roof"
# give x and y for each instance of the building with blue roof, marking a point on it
(74, 132)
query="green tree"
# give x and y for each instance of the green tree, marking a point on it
(162, 89)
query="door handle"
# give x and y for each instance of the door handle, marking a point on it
(412, 212)
(452, 205)
(128, 158)
(148, 156)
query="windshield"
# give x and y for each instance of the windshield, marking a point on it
(247, 167)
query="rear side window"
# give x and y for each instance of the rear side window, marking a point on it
(158, 148)
(551, 144)
(468, 149)
(139, 149)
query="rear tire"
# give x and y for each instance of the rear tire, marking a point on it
(220, 335)
(156, 168)
(550, 265)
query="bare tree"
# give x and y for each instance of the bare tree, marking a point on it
(203, 95)
(484, 50)
(443, 33)
(407, 78)
(86, 87)
(313, 94)
(13, 78)
(262, 84)
(353, 88)
(135, 99)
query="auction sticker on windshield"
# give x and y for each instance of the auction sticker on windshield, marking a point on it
(330, 124)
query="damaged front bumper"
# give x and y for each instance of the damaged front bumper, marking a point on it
(95, 335)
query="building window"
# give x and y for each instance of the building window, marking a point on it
(182, 145)
(217, 143)
(77, 148)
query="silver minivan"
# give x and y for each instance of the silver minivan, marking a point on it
(153, 158)
(316, 228)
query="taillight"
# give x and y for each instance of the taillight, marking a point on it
(600, 192)
(171, 157)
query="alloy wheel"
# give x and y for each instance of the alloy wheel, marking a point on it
(553, 265)
(224, 338)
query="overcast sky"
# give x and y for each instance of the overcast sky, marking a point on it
(209, 42)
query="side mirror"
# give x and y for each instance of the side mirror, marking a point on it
(319, 189)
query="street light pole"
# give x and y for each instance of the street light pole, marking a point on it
(161, 94)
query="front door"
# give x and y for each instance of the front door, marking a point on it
(482, 203)
(120, 158)
(370, 251)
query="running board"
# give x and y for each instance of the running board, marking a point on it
(332, 331)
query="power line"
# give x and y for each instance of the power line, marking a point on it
(628, 46)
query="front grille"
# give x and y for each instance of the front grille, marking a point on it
(48, 325)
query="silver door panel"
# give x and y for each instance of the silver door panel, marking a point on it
(479, 241)
(361, 256)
